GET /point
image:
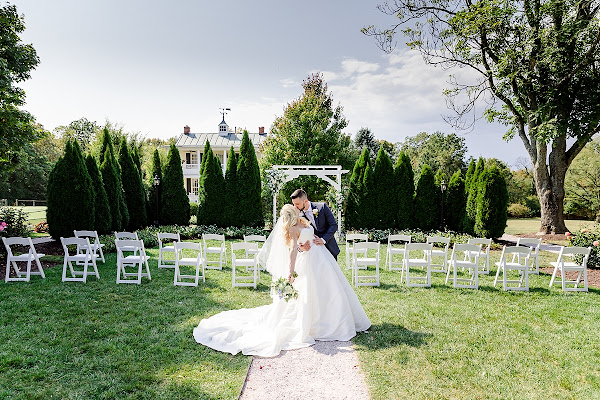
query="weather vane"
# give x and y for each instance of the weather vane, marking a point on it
(224, 111)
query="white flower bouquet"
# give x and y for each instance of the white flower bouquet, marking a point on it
(284, 289)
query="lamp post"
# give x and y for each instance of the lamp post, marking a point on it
(443, 187)
(156, 183)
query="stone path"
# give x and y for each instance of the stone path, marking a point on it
(327, 370)
(544, 246)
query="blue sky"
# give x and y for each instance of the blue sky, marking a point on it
(155, 66)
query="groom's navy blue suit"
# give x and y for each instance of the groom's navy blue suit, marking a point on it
(325, 226)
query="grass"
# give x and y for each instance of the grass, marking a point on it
(103, 341)
(531, 225)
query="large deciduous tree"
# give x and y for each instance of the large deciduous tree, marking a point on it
(539, 61)
(16, 62)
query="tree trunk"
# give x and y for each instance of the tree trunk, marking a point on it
(549, 181)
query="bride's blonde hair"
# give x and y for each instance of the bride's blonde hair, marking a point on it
(290, 216)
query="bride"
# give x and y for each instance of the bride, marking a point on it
(326, 307)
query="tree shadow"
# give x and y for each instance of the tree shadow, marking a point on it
(386, 335)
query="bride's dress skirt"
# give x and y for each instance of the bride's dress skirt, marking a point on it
(326, 309)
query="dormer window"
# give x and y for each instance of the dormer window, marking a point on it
(222, 128)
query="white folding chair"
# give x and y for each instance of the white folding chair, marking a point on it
(471, 264)
(482, 255)
(162, 238)
(442, 267)
(219, 249)
(565, 266)
(197, 261)
(391, 251)
(127, 236)
(520, 264)
(29, 257)
(84, 255)
(534, 267)
(94, 242)
(351, 239)
(250, 250)
(138, 258)
(423, 262)
(361, 260)
(259, 240)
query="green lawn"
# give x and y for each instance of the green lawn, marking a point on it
(35, 215)
(531, 225)
(101, 340)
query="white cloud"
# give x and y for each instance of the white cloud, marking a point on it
(288, 83)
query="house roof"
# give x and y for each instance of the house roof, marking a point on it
(216, 140)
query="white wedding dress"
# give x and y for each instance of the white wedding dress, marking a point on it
(326, 309)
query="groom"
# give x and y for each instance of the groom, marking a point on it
(322, 220)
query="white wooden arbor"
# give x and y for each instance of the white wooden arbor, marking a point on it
(332, 174)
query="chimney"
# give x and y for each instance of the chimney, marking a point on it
(261, 130)
(186, 130)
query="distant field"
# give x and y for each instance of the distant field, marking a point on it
(530, 225)
(35, 215)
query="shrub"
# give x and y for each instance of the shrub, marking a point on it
(586, 238)
(404, 185)
(103, 219)
(385, 192)
(472, 187)
(232, 194)
(533, 204)
(42, 227)
(152, 193)
(112, 182)
(427, 209)
(516, 210)
(454, 209)
(175, 205)
(250, 211)
(193, 208)
(353, 212)
(16, 222)
(210, 192)
(492, 202)
(133, 189)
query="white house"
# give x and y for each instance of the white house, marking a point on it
(191, 147)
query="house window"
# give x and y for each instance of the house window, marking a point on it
(191, 158)
(195, 187)
(222, 128)
(188, 185)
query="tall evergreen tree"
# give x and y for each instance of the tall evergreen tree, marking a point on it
(231, 190)
(455, 202)
(368, 200)
(70, 197)
(103, 219)
(175, 205)
(427, 208)
(133, 189)
(385, 193)
(404, 185)
(154, 194)
(249, 185)
(471, 206)
(353, 208)
(365, 139)
(469, 175)
(112, 182)
(210, 194)
(207, 149)
(492, 204)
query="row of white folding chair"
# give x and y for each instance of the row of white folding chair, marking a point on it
(94, 243)
(162, 248)
(137, 259)
(29, 257)
(534, 244)
(562, 266)
(85, 255)
(519, 261)
(362, 261)
(245, 255)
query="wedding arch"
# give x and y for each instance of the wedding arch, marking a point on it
(281, 174)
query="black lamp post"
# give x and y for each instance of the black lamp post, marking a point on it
(156, 183)
(443, 187)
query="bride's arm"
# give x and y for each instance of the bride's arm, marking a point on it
(293, 255)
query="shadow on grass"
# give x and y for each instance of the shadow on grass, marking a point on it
(386, 335)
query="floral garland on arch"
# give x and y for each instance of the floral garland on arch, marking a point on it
(275, 180)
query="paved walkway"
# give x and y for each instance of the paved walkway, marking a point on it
(327, 370)
(39, 240)
(553, 248)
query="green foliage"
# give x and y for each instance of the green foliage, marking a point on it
(368, 200)
(365, 139)
(586, 238)
(16, 223)
(582, 183)
(516, 210)
(70, 197)
(455, 202)
(210, 192)
(354, 212)
(492, 203)
(384, 192)
(111, 177)
(445, 152)
(81, 130)
(133, 189)
(17, 61)
(471, 207)
(193, 208)
(404, 184)
(417, 236)
(427, 207)
(175, 205)
(231, 190)
(308, 133)
(249, 186)
(103, 219)
(469, 176)
(154, 193)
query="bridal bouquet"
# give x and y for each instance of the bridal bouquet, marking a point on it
(284, 289)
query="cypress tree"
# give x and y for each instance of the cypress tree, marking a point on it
(207, 149)
(175, 205)
(352, 213)
(231, 190)
(111, 181)
(210, 193)
(404, 184)
(385, 194)
(70, 196)
(427, 211)
(155, 191)
(469, 176)
(133, 189)
(249, 185)
(455, 201)
(471, 206)
(103, 219)
(368, 205)
(492, 204)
